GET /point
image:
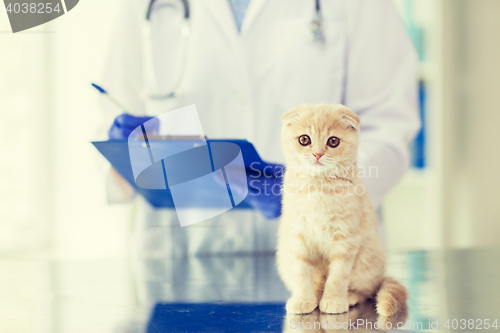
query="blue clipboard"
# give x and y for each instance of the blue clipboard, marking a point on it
(117, 153)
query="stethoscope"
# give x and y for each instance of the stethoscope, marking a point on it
(156, 92)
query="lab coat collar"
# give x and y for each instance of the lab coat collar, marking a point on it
(220, 12)
(254, 9)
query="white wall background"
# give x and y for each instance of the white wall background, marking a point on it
(52, 175)
(471, 109)
(24, 197)
(84, 225)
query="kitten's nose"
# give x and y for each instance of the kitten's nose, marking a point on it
(318, 156)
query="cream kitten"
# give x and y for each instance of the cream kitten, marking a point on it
(329, 250)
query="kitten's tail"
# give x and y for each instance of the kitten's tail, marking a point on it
(391, 297)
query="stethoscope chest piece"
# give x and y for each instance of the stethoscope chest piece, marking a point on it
(317, 24)
(317, 30)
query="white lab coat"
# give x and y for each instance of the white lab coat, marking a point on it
(242, 83)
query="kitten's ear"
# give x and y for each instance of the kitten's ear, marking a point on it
(351, 120)
(289, 116)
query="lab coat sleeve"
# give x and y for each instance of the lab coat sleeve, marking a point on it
(381, 87)
(123, 79)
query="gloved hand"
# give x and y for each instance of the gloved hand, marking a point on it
(125, 123)
(264, 190)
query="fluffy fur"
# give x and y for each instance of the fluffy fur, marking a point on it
(329, 251)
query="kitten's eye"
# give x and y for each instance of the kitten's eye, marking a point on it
(304, 140)
(333, 142)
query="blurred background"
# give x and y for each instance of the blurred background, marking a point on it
(53, 194)
(52, 197)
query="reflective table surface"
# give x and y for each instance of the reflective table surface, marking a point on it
(449, 290)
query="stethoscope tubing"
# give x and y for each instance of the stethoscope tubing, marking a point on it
(185, 3)
(316, 28)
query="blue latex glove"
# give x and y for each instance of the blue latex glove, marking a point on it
(125, 123)
(264, 190)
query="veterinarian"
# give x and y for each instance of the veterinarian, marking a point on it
(244, 63)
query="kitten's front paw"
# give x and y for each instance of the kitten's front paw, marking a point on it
(334, 305)
(297, 305)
